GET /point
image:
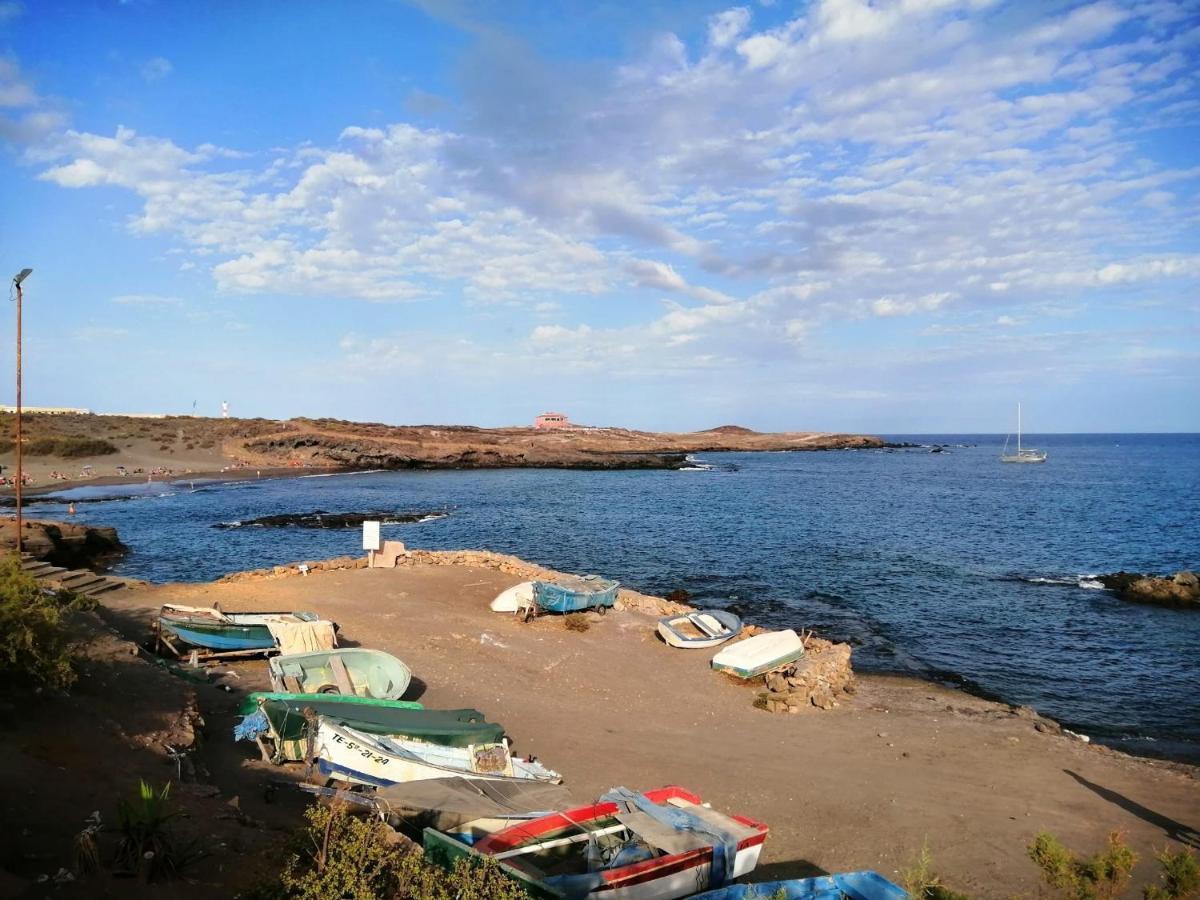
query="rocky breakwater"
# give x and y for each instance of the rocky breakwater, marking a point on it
(67, 544)
(818, 680)
(1181, 590)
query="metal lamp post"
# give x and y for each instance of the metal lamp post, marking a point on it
(17, 279)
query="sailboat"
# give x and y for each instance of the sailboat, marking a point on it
(1023, 454)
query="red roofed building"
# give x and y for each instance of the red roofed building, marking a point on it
(551, 420)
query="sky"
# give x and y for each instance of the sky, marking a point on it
(900, 216)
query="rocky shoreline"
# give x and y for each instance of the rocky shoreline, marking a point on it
(67, 544)
(1179, 591)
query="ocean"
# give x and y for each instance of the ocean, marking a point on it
(948, 565)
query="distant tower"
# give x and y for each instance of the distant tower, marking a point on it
(224, 409)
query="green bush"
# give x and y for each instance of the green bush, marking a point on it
(69, 447)
(148, 847)
(34, 644)
(339, 856)
(1101, 877)
(1180, 878)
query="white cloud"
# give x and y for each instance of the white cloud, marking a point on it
(156, 68)
(724, 27)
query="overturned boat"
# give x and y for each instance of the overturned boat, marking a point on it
(661, 844)
(353, 671)
(516, 598)
(760, 654)
(698, 630)
(208, 628)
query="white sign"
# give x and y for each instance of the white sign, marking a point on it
(371, 536)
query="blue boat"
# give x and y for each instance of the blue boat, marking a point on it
(576, 593)
(214, 630)
(852, 885)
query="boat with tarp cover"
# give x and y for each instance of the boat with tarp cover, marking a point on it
(287, 720)
(209, 628)
(843, 886)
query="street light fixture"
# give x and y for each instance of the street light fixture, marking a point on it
(17, 280)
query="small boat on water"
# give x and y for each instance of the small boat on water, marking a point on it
(287, 719)
(661, 844)
(516, 598)
(760, 654)
(852, 885)
(576, 593)
(367, 673)
(698, 630)
(380, 760)
(1023, 454)
(208, 628)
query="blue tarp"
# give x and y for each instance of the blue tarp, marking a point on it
(251, 727)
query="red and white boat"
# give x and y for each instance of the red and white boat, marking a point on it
(611, 851)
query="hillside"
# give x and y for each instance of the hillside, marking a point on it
(186, 444)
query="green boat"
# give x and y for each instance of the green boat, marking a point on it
(355, 671)
(286, 721)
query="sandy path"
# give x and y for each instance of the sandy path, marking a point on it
(860, 786)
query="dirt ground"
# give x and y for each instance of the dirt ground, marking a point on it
(861, 786)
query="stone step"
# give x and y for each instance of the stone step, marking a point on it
(36, 568)
(102, 588)
(50, 572)
(75, 576)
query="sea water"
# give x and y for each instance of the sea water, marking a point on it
(948, 565)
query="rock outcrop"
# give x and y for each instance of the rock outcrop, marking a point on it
(71, 545)
(1181, 591)
(319, 518)
(816, 680)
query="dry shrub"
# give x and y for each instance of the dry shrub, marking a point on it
(576, 621)
(1101, 877)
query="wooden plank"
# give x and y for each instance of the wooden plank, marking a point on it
(341, 676)
(292, 683)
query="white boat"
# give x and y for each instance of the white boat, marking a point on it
(699, 630)
(760, 654)
(373, 759)
(1023, 454)
(516, 598)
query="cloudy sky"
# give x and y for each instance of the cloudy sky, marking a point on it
(894, 216)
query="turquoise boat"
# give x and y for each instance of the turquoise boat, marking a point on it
(353, 671)
(222, 632)
(574, 594)
(851, 885)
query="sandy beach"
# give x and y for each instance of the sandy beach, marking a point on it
(860, 786)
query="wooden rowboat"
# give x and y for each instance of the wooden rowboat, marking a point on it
(515, 599)
(759, 654)
(852, 885)
(367, 673)
(349, 755)
(610, 850)
(698, 630)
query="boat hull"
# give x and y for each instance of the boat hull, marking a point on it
(366, 673)
(590, 592)
(760, 654)
(217, 636)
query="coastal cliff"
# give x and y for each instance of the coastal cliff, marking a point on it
(125, 445)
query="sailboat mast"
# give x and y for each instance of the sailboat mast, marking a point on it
(1018, 428)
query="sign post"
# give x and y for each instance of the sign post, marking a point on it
(371, 541)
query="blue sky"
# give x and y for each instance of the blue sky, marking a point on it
(887, 217)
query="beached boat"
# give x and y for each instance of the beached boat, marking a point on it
(367, 673)
(209, 628)
(851, 885)
(287, 720)
(662, 844)
(576, 593)
(697, 630)
(760, 654)
(1023, 454)
(516, 598)
(361, 758)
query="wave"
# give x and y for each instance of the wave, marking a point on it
(1087, 581)
(336, 474)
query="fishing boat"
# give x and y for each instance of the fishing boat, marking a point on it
(658, 845)
(360, 758)
(287, 719)
(852, 885)
(209, 628)
(760, 654)
(516, 598)
(697, 630)
(367, 673)
(576, 593)
(1023, 454)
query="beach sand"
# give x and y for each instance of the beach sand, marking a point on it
(899, 763)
